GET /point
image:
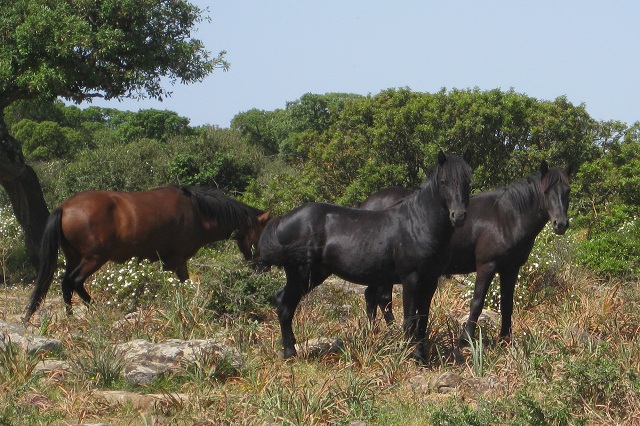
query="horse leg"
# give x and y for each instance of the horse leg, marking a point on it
(507, 287)
(370, 299)
(379, 297)
(182, 272)
(484, 275)
(409, 307)
(79, 275)
(67, 286)
(384, 298)
(419, 293)
(288, 299)
(300, 280)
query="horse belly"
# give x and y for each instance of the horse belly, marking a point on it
(359, 263)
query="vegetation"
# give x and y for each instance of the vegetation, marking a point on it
(576, 347)
(79, 50)
(575, 355)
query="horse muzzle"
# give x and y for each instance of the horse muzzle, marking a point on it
(457, 217)
(260, 267)
(560, 226)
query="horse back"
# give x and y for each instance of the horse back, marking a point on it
(488, 235)
(120, 225)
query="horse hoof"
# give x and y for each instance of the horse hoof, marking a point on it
(459, 356)
(287, 354)
(504, 341)
(418, 356)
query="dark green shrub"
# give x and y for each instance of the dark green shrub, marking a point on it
(615, 252)
(242, 291)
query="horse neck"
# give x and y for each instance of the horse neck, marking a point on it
(533, 211)
(213, 230)
(428, 206)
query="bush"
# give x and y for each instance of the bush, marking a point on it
(613, 253)
(241, 291)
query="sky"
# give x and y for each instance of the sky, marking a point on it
(588, 51)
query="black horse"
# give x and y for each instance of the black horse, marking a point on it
(497, 237)
(376, 248)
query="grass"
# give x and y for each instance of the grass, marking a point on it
(574, 358)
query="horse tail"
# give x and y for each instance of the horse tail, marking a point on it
(48, 260)
(273, 252)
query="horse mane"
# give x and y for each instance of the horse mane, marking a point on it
(521, 192)
(456, 168)
(215, 204)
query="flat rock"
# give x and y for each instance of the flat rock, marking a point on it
(320, 346)
(144, 361)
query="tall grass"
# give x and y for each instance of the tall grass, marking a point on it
(574, 357)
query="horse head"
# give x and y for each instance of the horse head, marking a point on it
(555, 188)
(454, 183)
(248, 239)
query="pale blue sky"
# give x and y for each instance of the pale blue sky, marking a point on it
(587, 50)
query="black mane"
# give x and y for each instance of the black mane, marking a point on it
(522, 192)
(215, 204)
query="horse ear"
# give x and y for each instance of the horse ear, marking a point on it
(570, 169)
(544, 168)
(264, 217)
(442, 158)
(467, 156)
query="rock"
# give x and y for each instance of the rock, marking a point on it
(470, 388)
(447, 382)
(145, 361)
(35, 344)
(17, 335)
(53, 367)
(11, 328)
(320, 346)
(475, 387)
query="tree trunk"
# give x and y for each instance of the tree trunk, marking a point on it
(25, 193)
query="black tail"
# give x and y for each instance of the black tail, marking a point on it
(48, 260)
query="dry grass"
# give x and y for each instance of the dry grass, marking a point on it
(575, 358)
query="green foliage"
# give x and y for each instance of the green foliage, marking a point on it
(110, 167)
(454, 413)
(280, 131)
(97, 362)
(240, 291)
(47, 140)
(507, 133)
(281, 189)
(263, 129)
(597, 379)
(152, 124)
(614, 252)
(222, 170)
(121, 49)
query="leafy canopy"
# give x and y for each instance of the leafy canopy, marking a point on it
(80, 49)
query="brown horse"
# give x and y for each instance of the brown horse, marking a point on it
(168, 224)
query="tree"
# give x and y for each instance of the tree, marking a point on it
(82, 49)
